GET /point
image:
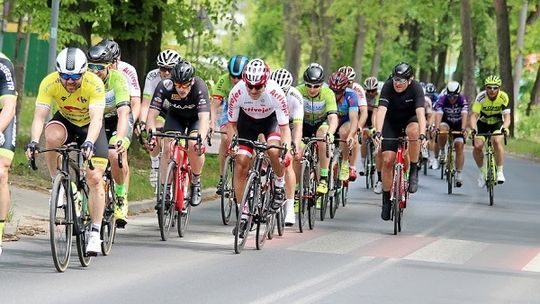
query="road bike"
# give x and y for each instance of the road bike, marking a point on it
(490, 164)
(369, 163)
(449, 168)
(174, 196)
(69, 212)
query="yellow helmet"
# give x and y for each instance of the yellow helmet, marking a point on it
(493, 80)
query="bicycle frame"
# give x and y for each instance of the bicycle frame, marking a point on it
(491, 166)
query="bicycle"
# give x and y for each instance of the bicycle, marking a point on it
(399, 193)
(68, 212)
(307, 185)
(369, 163)
(450, 166)
(337, 187)
(108, 225)
(174, 195)
(257, 197)
(491, 166)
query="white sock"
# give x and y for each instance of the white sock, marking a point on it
(155, 161)
(279, 181)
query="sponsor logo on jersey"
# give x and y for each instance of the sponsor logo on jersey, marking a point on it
(9, 79)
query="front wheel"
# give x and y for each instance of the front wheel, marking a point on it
(108, 227)
(60, 223)
(166, 211)
(227, 191)
(85, 223)
(182, 216)
(245, 218)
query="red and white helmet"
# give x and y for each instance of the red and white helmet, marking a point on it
(349, 71)
(256, 72)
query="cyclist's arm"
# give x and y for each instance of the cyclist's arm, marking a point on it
(362, 119)
(151, 119)
(438, 118)
(8, 110)
(203, 107)
(421, 115)
(96, 123)
(135, 102)
(214, 107)
(473, 118)
(123, 121)
(506, 120)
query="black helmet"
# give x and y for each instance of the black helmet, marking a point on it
(183, 71)
(99, 54)
(314, 74)
(236, 65)
(113, 46)
(403, 70)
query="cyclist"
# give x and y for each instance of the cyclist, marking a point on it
(371, 85)
(130, 73)
(257, 105)
(451, 115)
(347, 111)
(431, 97)
(490, 113)
(165, 62)
(220, 93)
(401, 112)
(118, 126)
(363, 114)
(320, 117)
(295, 103)
(189, 109)
(80, 99)
(8, 101)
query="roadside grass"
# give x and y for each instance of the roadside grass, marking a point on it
(526, 147)
(139, 161)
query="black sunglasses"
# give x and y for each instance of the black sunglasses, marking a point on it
(313, 86)
(256, 87)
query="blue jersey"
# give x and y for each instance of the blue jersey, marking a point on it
(451, 112)
(347, 103)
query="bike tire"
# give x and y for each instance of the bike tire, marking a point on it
(108, 226)
(280, 221)
(312, 198)
(240, 237)
(227, 191)
(345, 194)
(490, 179)
(265, 218)
(396, 214)
(60, 224)
(166, 210)
(182, 216)
(303, 192)
(86, 222)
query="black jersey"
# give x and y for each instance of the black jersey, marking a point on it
(401, 106)
(197, 101)
(7, 76)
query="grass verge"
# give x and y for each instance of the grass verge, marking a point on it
(525, 147)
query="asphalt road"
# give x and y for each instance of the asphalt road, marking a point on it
(453, 249)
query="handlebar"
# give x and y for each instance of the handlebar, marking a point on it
(120, 160)
(64, 150)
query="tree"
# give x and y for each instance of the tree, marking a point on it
(505, 60)
(469, 87)
(292, 39)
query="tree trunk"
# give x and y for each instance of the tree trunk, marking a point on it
(154, 45)
(519, 58)
(535, 94)
(505, 60)
(376, 59)
(359, 45)
(438, 79)
(469, 86)
(293, 43)
(326, 26)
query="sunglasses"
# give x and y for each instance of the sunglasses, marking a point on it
(74, 77)
(256, 87)
(182, 85)
(371, 91)
(400, 80)
(97, 66)
(493, 88)
(313, 86)
(163, 69)
(452, 95)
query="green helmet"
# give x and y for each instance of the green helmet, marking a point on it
(493, 80)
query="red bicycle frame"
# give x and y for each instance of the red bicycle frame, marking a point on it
(399, 169)
(182, 177)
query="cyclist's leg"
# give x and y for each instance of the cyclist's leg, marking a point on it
(197, 163)
(58, 131)
(388, 155)
(498, 149)
(443, 137)
(6, 156)
(413, 132)
(155, 163)
(324, 161)
(347, 164)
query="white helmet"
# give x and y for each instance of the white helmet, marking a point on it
(168, 59)
(371, 83)
(71, 61)
(349, 71)
(283, 78)
(256, 72)
(453, 87)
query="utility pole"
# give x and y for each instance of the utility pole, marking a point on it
(55, 7)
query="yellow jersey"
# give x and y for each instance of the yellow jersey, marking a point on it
(491, 111)
(73, 106)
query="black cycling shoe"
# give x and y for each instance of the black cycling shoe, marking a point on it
(196, 197)
(279, 197)
(413, 180)
(121, 223)
(219, 187)
(386, 206)
(243, 225)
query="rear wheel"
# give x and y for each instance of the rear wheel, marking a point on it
(108, 227)
(227, 192)
(60, 223)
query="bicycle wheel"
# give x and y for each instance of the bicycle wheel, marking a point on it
(280, 221)
(490, 178)
(108, 227)
(84, 223)
(227, 192)
(246, 214)
(333, 188)
(327, 197)
(166, 210)
(264, 217)
(396, 190)
(303, 192)
(312, 198)
(368, 168)
(60, 223)
(182, 216)
(345, 193)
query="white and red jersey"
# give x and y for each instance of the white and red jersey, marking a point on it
(361, 93)
(151, 82)
(272, 100)
(130, 73)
